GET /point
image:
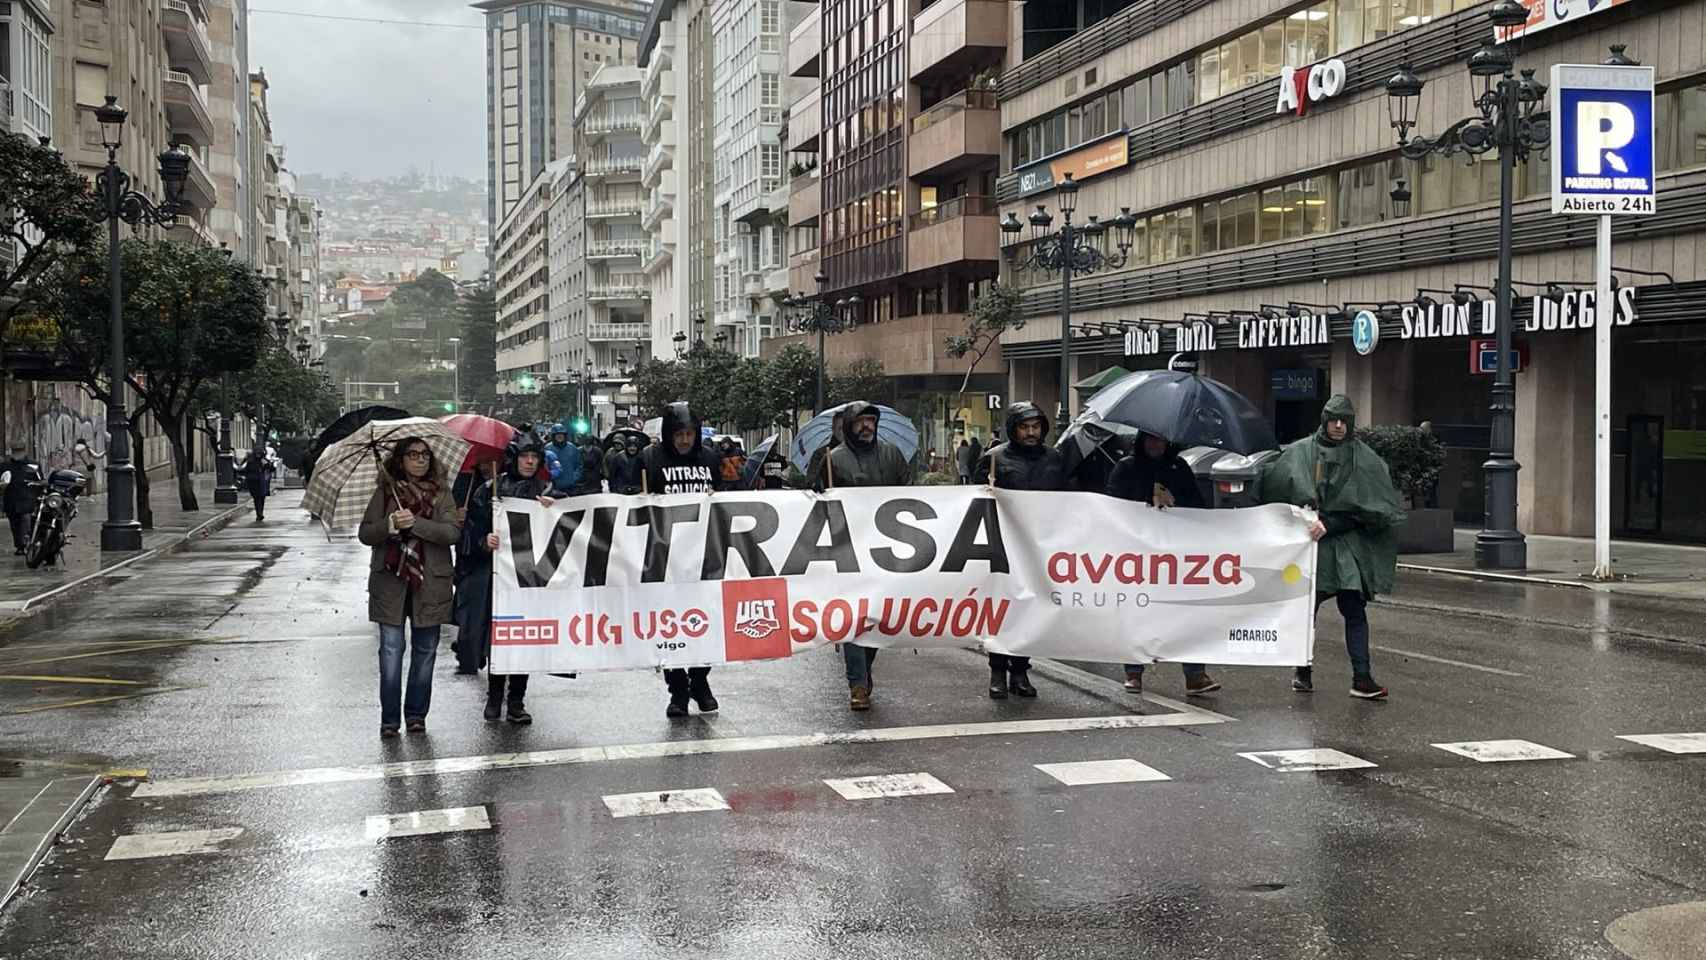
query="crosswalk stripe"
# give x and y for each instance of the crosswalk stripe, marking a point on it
(888, 785)
(141, 846)
(1087, 772)
(419, 823)
(1670, 742)
(1308, 760)
(1503, 751)
(700, 800)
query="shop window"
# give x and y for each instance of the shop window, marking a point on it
(1208, 76)
(1273, 49)
(1272, 224)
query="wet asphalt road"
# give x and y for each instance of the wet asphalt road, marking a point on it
(250, 654)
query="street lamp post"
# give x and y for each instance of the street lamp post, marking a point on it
(121, 531)
(813, 313)
(1074, 249)
(224, 464)
(455, 372)
(1509, 118)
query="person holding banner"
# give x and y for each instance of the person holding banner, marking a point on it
(815, 467)
(524, 477)
(1025, 462)
(1155, 474)
(683, 464)
(1350, 488)
(864, 460)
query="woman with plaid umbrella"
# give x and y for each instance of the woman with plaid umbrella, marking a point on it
(410, 523)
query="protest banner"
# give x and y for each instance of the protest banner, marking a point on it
(608, 583)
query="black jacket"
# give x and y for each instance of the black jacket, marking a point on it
(592, 470)
(624, 471)
(1135, 477)
(19, 498)
(877, 464)
(1018, 467)
(697, 471)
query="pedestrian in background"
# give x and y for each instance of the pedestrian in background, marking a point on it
(19, 500)
(624, 467)
(523, 478)
(258, 471)
(1155, 474)
(1023, 463)
(570, 464)
(1358, 515)
(683, 464)
(963, 462)
(865, 460)
(410, 524)
(592, 467)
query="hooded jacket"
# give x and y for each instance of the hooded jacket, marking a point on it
(1350, 487)
(624, 471)
(696, 471)
(471, 553)
(19, 499)
(570, 468)
(1135, 477)
(592, 469)
(1021, 467)
(875, 464)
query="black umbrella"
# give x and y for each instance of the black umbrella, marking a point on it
(1189, 410)
(343, 427)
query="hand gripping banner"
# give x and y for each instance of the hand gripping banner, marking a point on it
(610, 582)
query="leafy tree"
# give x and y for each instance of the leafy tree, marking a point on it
(752, 396)
(862, 379)
(713, 381)
(278, 393)
(556, 403)
(658, 382)
(995, 312)
(47, 216)
(791, 383)
(478, 315)
(425, 392)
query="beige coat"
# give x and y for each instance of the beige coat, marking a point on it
(386, 591)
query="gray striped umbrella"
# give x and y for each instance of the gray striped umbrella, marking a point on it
(348, 471)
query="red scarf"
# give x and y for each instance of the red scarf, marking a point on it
(403, 552)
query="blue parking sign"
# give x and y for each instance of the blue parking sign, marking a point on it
(1602, 139)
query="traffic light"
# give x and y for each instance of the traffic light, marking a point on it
(449, 407)
(526, 381)
(581, 425)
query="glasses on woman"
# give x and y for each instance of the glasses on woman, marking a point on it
(418, 455)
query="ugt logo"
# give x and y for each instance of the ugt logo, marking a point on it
(755, 619)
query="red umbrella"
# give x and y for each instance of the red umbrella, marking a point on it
(487, 437)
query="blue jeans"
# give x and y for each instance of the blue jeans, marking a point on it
(859, 660)
(1191, 670)
(423, 653)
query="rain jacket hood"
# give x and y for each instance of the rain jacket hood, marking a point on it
(677, 416)
(1016, 414)
(1339, 407)
(853, 411)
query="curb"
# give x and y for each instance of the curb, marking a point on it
(1389, 601)
(1506, 577)
(217, 522)
(16, 875)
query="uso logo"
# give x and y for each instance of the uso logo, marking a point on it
(517, 631)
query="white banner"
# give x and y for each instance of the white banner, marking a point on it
(610, 583)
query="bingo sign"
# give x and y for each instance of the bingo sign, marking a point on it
(1602, 139)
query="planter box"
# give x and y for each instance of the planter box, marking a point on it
(1427, 531)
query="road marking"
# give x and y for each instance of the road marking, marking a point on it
(43, 678)
(699, 800)
(1448, 661)
(648, 751)
(1503, 751)
(1307, 761)
(132, 648)
(141, 846)
(86, 701)
(1085, 772)
(420, 823)
(1670, 742)
(1067, 673)
(888, 785)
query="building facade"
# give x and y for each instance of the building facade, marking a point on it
(226, 34)
(1268, 221)
(521, 276)
(26, 72)
(539, 55)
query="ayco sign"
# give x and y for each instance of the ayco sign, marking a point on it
(1301, 86)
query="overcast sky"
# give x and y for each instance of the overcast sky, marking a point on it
(371, 99)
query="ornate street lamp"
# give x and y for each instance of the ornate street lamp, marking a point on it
(1508, 118)
(121, 531)
(813, 313)
(1071, 250)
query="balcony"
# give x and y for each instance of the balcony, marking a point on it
(658, 207)
(961, 230)
(776, 283)
(660, 158)
(907, 346)
(658, 73)
(187, 46)
(603, 122)
(777, 201)
(805, 199)
(661, 252)
(616, 249)
(618, 332)
(186, 108)
(198, 188)
(805, 122)
(805, 42)
(612, 167)
(607, 209)
(752, 283)
(662, 109)
(957, 37)
(961, 132)
(620, 290)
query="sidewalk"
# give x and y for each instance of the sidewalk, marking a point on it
(1648, 569)
(22, 588)
(35, 808)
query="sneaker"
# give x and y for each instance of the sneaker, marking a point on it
(677, 707)
(1020, 685)
(997, 684)
(494, 708)
(388, 731)
(417, 725)
(859, 698)
(518, 714)
(700, 691)
(1364, 688)
(1200, 684)
(1134, 684)
(1303, 681)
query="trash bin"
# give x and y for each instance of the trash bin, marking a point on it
(1236, 479)
(1201, 460)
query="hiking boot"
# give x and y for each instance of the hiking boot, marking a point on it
(1134, 684)
(388, 731)
(1200, 684)
(494, 708)
(1364, 688)
(518, 714)
(677, 707)
(417, 725)
(1303, 681)
(859, 698)
(997, 684)
(700, 690)
(1020, 685)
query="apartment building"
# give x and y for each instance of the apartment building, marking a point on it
(677, 104)
(1268, 224)
(521, 273)
(304, 279)
(225, 32)
(539, 55)
(26, 68)
(566, 251)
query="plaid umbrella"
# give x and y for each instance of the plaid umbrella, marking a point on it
(348, 471)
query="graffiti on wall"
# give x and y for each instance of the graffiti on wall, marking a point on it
(65, 415)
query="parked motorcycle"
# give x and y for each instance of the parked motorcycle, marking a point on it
(56, 507)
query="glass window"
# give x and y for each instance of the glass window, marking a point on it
(1376, 19)
(1409, 13)
(1317, 26)
(1432, 189)
(1054, 134)
(1347, 25)
(1208, 232)
(1293, 203)
(1187, 231)
(1187, 92)
(1273, 49)
(1157, 96)
(1135, 107)
(1250, 58)
(1316, 206)
(1208, 76)
(1231, 67)
(1242, 211)
(1113, 110)
(1074, 126)
(1095, 119)
(1294, 38)
(1140, 243)
(1689, 112)
(1272, 224)
(1157, 239)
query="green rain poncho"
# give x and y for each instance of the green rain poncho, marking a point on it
(1348, 484)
